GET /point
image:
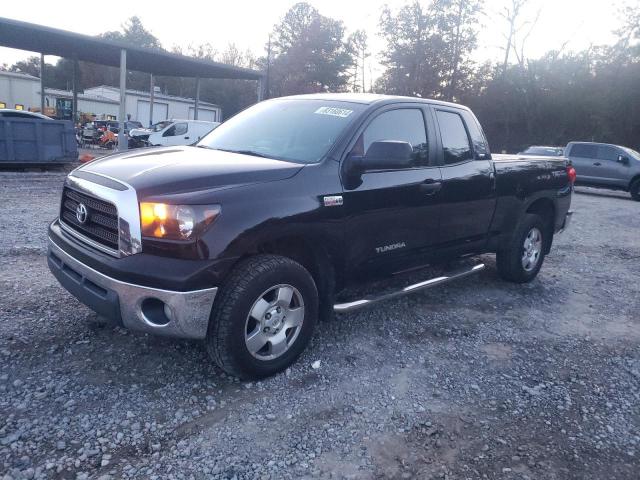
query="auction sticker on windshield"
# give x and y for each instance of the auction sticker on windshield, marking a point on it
(336, 112)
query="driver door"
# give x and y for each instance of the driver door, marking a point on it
(392, 215)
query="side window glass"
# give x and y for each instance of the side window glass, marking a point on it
(583, 150)
(181, 129)
(607, 153)
(455, 141)
(405, 125)
(170, 132)
(478, 139)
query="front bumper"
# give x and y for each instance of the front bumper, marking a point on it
(152, 310)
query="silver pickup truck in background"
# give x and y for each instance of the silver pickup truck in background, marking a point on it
(607, 166)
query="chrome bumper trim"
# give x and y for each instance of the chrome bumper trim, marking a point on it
(190, 311)
(87, 240)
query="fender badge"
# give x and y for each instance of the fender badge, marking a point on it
(333, 201)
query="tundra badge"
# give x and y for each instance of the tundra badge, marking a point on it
(388, 248)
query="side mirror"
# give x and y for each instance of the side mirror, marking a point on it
(623, 160)
(388, 155)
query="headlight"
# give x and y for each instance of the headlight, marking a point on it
(176, 222)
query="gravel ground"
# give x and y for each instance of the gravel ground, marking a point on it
(479, 379)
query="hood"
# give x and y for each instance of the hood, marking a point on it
(175, 170)
(140, 131)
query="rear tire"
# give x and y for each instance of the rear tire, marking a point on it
(635, 190)
(521, 260)
(263, 317)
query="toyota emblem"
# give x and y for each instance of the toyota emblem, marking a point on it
(82, 213)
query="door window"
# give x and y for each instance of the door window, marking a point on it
(480, 147)
(404, 125)
(455, 141)
(175, 130)
(606, 152)
(584, 150)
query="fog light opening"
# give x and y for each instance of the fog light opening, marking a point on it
(156, 312)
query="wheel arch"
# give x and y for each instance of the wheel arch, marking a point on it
(633, 180)
(546, 209)
(315, 255)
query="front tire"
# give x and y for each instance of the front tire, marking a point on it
(263, 317)
(521, 260)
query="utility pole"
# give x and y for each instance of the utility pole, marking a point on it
(42, 83)
(152, 93)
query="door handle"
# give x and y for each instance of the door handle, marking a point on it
(430, 187)
(597, 164)
(186, 138)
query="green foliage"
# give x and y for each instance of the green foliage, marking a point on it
(589, 95)
(310, 53)
(428, 49)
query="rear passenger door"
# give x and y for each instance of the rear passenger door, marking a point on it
(392, 215)
(467, 197)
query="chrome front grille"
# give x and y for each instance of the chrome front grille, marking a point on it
(101, 222)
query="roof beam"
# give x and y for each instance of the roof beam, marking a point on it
(52, 41)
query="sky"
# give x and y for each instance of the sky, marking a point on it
(576, 23)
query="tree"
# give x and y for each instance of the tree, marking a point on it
(133, 33)
(358, 45)
(30, 66)
(413, 56)
(232, 95)
(429, 50)
(511, 13)
(309, 53)
(458, 23)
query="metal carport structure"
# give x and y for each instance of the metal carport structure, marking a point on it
(61, 43)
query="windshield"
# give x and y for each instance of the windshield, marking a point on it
(544, 151)
(632, 152)
(288, 129)
(156, 127)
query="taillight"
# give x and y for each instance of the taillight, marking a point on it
(571, 173)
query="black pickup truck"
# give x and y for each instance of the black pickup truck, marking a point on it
(245, 239)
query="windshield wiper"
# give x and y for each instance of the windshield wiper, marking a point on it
(245, 152)
(204, 146)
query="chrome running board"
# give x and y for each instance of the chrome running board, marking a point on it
(416, 287)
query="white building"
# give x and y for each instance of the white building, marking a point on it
(18, 90)
(138, 105)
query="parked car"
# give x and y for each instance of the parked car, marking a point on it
(244, 239)
(11, 113)
(607, 166)
(543, 151)
(131, 125)
(171, 132)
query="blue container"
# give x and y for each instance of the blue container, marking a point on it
(35, 141)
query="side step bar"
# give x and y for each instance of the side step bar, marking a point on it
(416, 287)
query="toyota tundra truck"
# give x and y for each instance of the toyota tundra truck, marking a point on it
(245, 239)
